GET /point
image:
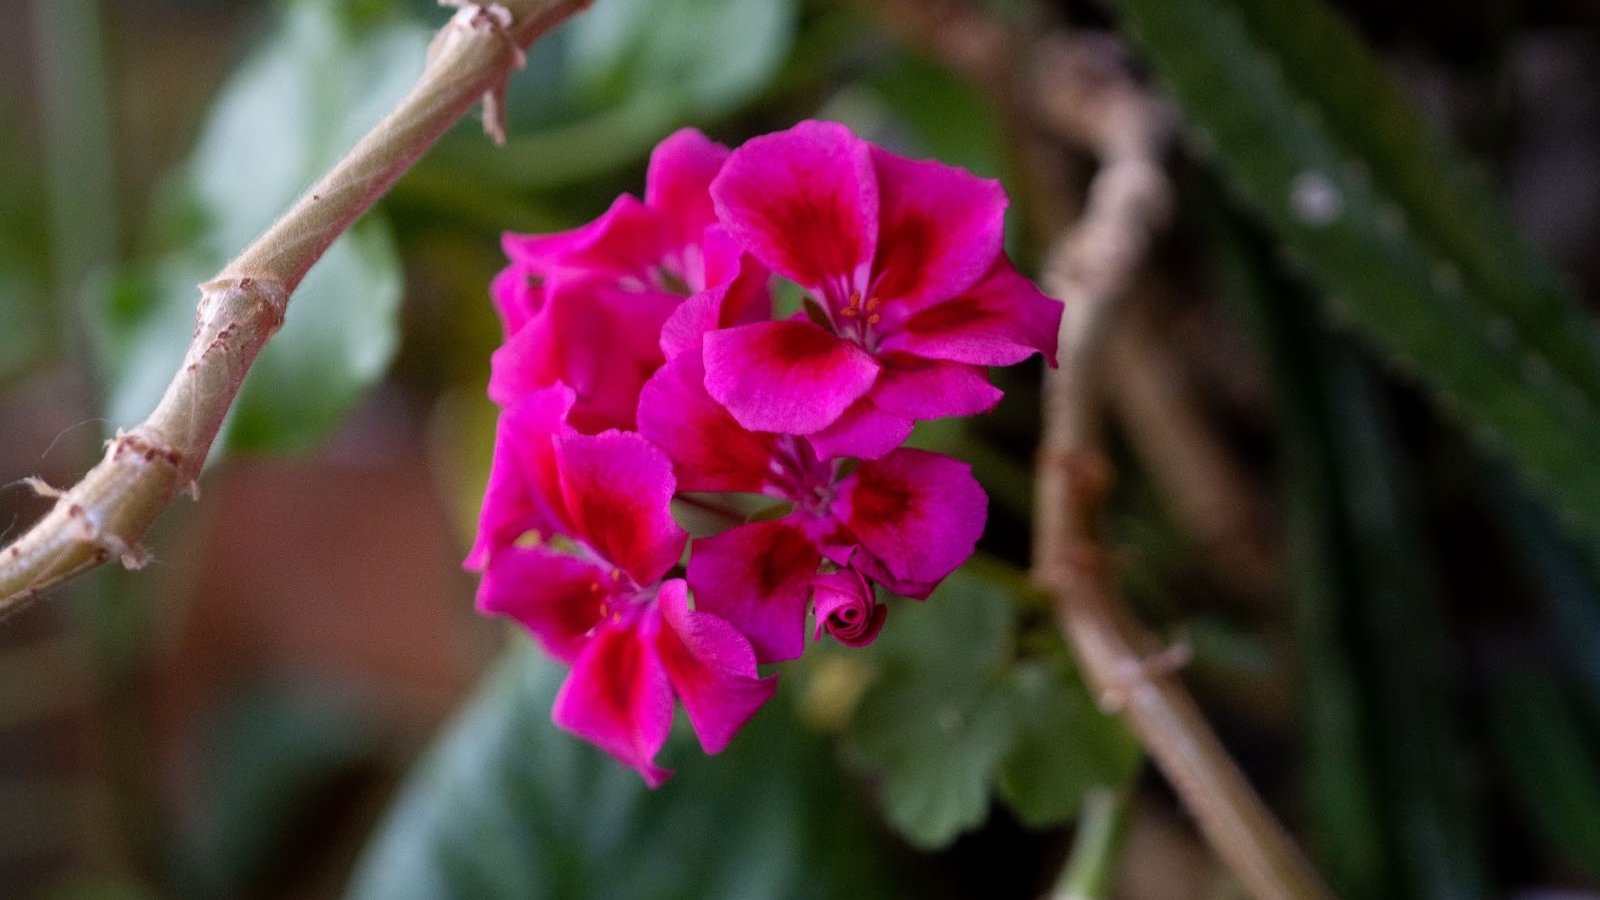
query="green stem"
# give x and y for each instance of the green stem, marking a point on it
(1102, 825)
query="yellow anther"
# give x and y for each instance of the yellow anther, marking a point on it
(616, 574)
(873, 304)
(849, 312)
(874, 319)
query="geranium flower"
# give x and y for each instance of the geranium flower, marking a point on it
(911, 293)
(575, 538)
(905, 520)
(586, 307)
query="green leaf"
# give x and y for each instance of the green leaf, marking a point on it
(939, 718)
(509, 806)
(711, 54)
(953, 121)
(1391, 806)
(1065, 745)
(27, 320)
(270, 754)
(1541, 739)
(953, 716)
(1561, 577)
(329, 72)
(1407, 246)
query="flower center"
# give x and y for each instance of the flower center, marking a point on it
(858, 320)
(799, 477)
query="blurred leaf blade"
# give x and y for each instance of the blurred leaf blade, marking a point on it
(1309, 134)
(627, 47)
(1445, 201)
(632, 71)
(509, 806)
(328, 74)
(1394, 810)
(1541, 740)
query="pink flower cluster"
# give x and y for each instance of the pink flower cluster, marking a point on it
(643, 364)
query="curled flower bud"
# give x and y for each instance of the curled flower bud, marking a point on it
(845, 608)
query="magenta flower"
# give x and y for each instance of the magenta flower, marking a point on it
(586, 307)
(575, 538)
(913, 295)
(905, 520)
(657, 316)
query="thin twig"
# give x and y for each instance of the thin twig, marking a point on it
(1089, 269)
(106, 514)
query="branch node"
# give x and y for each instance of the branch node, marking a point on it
(43, 488)
(492, 18)
(145, 444)
(1130, 674)
(106, 544)
(269, 294)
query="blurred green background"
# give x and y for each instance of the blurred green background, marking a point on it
(1354, 403)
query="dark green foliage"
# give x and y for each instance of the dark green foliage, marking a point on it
(510, 806)
(1281, 99)
(953, 715)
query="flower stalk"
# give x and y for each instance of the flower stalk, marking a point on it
(106, 514)
(1102, 829)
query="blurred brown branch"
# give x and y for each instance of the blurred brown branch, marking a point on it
(1076, 89)
(1090, 268)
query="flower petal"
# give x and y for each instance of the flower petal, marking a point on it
(805, 202)
(523, 493)
(865, 431)
(542, 253)
(600, 340)
(931, 388)
(846, 608)
(618, 489)
(629, 240)
(557, 597)
(741, 300)
(711, 668)
(915, 515)
(940, 229)
(517, 294)
(618, 697)
(723, 258)
(788, 377)
(709, 450)
(757, 578)
(678, 184)
(1002, 320)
